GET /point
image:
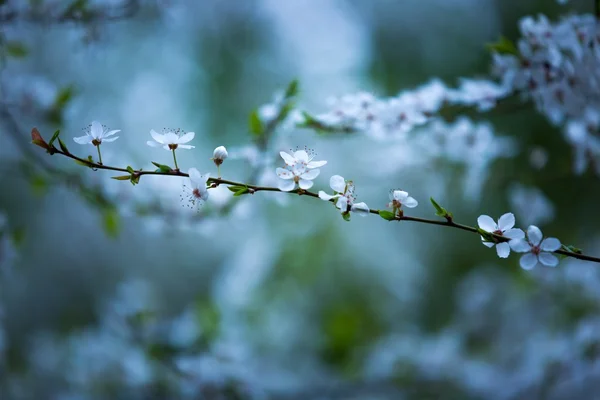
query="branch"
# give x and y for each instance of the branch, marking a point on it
(215, 182)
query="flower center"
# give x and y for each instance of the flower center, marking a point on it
(96, 142)
(196, 193)
(172, 146)
(497, 232)
(396, 203)
(536, 250)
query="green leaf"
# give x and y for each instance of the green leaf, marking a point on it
(121, 178)
(54, 137)
(572, 249)
(39, 186)
(255, 124)
(130, 169)
(346, 216)
(235, 189)
(135, 179)
(63, 97)
(111, 222)
(162, 168)
(440, 211)
(503, 46)
(240, 192)
(292, 89)
(387, 215)
(63, 146)
(16, 49)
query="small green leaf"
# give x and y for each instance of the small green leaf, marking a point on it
(437, 207)
(572, 249)
(16, 49)
(503, 46)
(130, 169)
(121, 178)
(63, 146)
(162, 168)
(255, 124)
(63, 97)
(111, 222)
(39, 186)
(135, 179)
(54, 137)
(242, 191)
(387, 215)
(440, 211)
(346, 216)
(235, 189)
(292, 89)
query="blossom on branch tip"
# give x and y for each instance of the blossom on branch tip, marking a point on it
(171, 139)
(399, 198)
(537, 250)
(196, 193)
(96, 133)
(343, 193)
(504, 227)
(299, 170)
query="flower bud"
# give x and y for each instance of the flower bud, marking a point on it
(219, 155)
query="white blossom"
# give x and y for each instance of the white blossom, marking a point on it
(399, 198)
(504, 227)
(537, 248)
(300, 169)
(196, 193)
(343, 191)
(171, 139)
(219, 154)
(96, 133)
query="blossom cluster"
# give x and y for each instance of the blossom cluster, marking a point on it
(557, 66)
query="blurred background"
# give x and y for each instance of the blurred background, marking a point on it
(114, 291)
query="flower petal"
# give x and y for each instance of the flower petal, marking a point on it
(410, 202)
(315, 164)
(528, 261)
(195, 176)
(311, 174)
(548, 259)
(186, 138)
(171, 138)
(487, 244)
(289, 160)
(550, 244)
(534, 235)
(112, 139)
(514, 233)
(520, 245)
(284, 173)
(83, 139)
(112, 133)
(157, 136)
(486, 223)
(327, 197)
(506, 222)
(337, 183)
(305, 184)
(286, 185)
(342, 203)
(153, 144)
(96, 130)
(400, 195)
(301, 155)
(185, 146)
(503, 249)
(360, 209)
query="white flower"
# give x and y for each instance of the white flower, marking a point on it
(171, 140)
(96, 133)
(219, 155)
(196, 194)
(536, 249)
(299, 169)
(290, 176)
(399, 198)
(303, 158)
(504, 227)
(344, 193)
